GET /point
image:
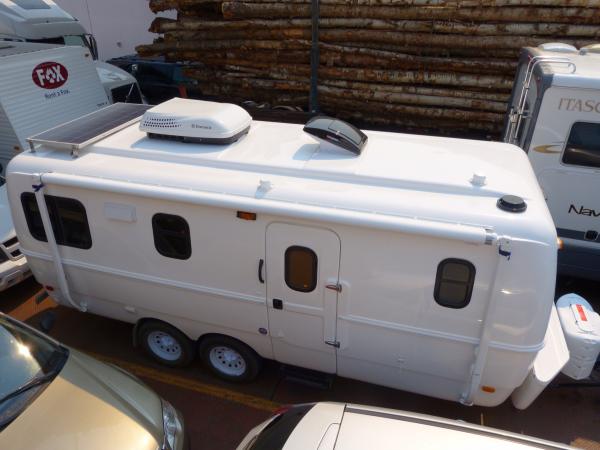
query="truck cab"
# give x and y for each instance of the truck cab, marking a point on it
(554, 115)
(43, 21)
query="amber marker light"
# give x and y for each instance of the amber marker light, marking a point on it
(560, 243)
(246, 215)
(488, 389)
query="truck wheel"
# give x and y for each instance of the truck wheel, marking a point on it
(165, 344)
(229, 359)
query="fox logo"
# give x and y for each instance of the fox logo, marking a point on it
(50, 75)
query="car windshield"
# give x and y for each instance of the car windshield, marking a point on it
(28, 362)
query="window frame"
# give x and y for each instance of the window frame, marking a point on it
(314, 272)
(564, 150)
(156, 227)
(60, 236)
(439, 280)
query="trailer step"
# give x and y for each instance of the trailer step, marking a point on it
(307, 377)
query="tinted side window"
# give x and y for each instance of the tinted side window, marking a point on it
(68, 218)
(454, 283)
(33, 217)
(300, 269)
(171, 236)
(583, 145)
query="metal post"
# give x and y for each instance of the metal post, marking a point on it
(314, 58)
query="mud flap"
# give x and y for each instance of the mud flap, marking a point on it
(548, 363)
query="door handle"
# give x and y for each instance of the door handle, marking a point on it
(261, 263)
(335, 344)
(277, 303)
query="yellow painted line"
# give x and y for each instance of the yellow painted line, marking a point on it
(191, 385)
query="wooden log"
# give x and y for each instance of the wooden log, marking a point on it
(160, 47)
(164, 25)
(433, 113)
(209, 75)
(244, 10)
(471, 93)
(406, 124)
(368, 93)
(340, 56)
(424, 77)
(377, 36)
(164, 5)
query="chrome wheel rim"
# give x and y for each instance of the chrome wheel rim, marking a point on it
(227, 361)
(164, 346)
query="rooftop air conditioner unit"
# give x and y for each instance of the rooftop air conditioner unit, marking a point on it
(196, 121)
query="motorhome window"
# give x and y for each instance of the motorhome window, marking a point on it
(454, 283)
(300, 269)
(67, 216)
(583, 145)
(171, 236)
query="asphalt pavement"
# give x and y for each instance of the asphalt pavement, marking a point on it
(218, 414)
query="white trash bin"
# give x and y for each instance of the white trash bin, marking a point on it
(581, 326)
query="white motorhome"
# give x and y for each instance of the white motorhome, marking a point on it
(554, 115)
(42, 21)
(419, 263)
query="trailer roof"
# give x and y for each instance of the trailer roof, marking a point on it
(583, 73)
(11, 48)
(396, 174)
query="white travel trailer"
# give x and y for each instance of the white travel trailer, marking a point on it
(554, 115)
(419, 263)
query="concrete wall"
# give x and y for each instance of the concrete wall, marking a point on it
(119, 25)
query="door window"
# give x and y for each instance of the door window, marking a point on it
(454, 283)
(67, 216)
(583, 145)
(301, 269)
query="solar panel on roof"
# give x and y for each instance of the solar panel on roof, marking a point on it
(86, 130)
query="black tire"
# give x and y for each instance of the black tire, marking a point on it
(156, 330)
(251, 361)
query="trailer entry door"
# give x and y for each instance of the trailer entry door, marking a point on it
(302, 273)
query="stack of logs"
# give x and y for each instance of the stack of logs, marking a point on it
(445, 66)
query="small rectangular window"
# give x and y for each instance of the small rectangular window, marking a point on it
(583, 145)
(454, 283)
(171, 236)
(301, 269)
(67, 216)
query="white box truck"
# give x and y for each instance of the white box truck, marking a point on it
(43, 21)
(419, 263)
(41, 86)
(554, 115)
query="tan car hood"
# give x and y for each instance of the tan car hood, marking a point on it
(90, 406)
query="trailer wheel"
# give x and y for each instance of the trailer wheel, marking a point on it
(165, 344)
(229, 359)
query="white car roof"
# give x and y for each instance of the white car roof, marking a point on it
(338, 426)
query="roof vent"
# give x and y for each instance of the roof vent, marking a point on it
(558, 47)
(512, 203)
(196, 121)
(337, 132)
